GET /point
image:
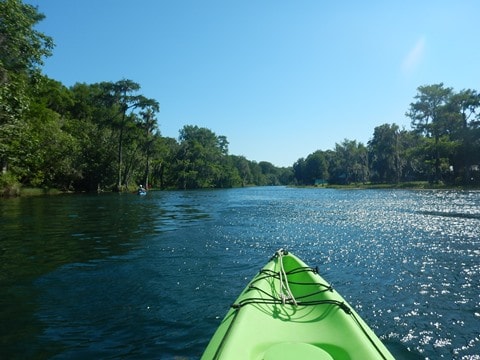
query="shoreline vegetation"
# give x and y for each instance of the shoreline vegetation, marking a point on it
(412, 185)
(105, 136)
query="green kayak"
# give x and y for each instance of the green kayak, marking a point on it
(288, 311)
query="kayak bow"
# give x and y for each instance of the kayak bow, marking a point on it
(288, 311)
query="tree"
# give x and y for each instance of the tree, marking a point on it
(299, 171)
(316, 167)
(385, 152)
(97, 156)
(47, 151)
(149, 125)
(307, 171)
(348, 162)
(270, 173)
(243, 169)
(429, 116)
(164, 162)
(199, 159)
(22, 49)
(466, 104)
(230, 175)
(285, 175)
(121, 98)
(258, 178)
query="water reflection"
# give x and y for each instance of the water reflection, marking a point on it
(39, 235)
(64, 229)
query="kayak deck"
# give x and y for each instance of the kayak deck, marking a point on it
(288, 311)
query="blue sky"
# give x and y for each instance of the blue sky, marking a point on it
(279, 79)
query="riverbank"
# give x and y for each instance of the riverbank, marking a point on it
(28, 192)
(410, 185)
(19, 191)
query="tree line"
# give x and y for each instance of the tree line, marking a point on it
(442, 146)
(102, 136)
(105, 136)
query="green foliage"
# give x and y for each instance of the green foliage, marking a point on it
(122, 102)
(22, 47)
(443, 146)
(313, 169)
(202, 161)
(9, 185)
(21, 51)
(385, 148)
(433, 117)
(348, 163)
(46, 151)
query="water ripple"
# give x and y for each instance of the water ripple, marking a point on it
(152, 277)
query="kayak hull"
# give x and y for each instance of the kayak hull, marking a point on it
(288, 311)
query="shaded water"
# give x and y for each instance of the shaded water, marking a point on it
(123, 276)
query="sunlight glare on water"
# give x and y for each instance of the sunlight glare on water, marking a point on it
(407, 260)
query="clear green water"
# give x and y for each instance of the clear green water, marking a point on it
(124, 276)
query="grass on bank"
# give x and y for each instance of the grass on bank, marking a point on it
(409, 185)
(10, 187)
(38, 191)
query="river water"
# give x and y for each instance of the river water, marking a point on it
(126, 276)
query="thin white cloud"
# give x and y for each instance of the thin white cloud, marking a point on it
(414, 56)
